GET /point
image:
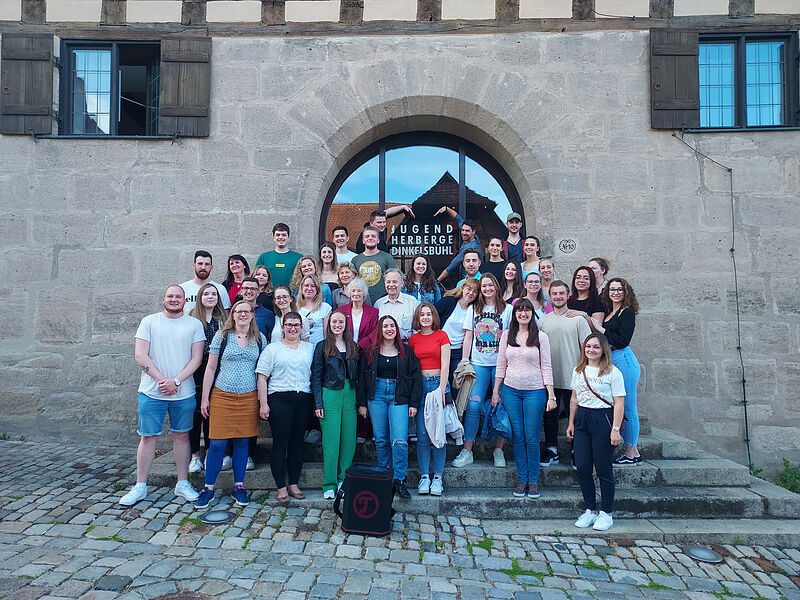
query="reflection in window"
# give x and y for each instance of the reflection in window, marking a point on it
(765, 84)
(424, 177)
(717, 85)
(91, 91)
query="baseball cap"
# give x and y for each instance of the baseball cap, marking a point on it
(513, 215)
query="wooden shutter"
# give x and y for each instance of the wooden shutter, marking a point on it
(185, 82)
(26, 83)
(674, 79)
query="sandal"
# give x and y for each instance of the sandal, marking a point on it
(283, 500)
(298, 494)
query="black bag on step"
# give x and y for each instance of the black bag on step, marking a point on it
(364, 502)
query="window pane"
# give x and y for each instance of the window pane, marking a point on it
(716, 85)
(91, 91)
(765, 83)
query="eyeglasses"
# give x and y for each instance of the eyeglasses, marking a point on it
(249, 289)
(281, 298)
(292, 325)
(616, 291)
(243, 312)
(524, 309)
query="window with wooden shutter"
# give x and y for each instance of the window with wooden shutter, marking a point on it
(185, 86)
(26, 83)
(674, 79)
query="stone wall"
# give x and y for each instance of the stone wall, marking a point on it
(93, 230)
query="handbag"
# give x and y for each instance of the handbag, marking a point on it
(606, 402)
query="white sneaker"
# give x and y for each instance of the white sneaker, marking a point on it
(195, 465)
(184, 489)
(436, 485)
(250, 464)
(424, 486)
(603, 521)
(499, 458)
(463, 459)
(227, 463)
(329, 495)
(587, 519)
(138, 492)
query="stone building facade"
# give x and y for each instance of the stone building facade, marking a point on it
(556, 91)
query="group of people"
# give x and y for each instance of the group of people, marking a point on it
(346, 347)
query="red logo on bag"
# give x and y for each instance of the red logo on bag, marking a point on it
(365, 505)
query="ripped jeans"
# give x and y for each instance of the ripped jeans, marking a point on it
(390, 427)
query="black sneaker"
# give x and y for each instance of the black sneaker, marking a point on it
(623, 459)
(548, 458)
(400, 490)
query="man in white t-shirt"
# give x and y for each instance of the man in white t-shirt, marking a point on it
(397, 304)
(202, 266)
(566, 336)
(168, 346)
(340, 239)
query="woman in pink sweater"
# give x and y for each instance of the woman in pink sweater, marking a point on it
(524, 384)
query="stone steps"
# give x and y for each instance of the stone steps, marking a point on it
(559, 503)
(675, 480)
(656, 473)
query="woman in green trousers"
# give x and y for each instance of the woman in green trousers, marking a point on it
(334, 373)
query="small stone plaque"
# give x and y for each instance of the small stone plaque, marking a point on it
(567, 246)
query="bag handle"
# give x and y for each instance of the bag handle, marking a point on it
(609, 404)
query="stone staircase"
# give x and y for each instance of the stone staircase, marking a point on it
(675, 480)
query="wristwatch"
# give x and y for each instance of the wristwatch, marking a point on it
(177, 382)
(615, 428)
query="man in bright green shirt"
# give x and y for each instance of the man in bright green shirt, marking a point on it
(281, 261)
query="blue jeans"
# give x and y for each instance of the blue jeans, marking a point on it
(626, 362)
(390, 426)
(525, 409)
(472, 416)
(424, 445)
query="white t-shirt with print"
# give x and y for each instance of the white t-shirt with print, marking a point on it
(170, 350)
(190, 288)
(487, 329)
(609, 385)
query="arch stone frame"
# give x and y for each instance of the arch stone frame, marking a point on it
(447, 115)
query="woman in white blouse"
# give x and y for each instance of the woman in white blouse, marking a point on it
(284, 385)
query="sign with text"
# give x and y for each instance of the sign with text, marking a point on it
(423, 237)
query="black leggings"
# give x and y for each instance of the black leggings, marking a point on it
(288, 415)
(593, 449)
(550, 419)
(200, 423)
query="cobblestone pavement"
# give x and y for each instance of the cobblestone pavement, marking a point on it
(62, 535)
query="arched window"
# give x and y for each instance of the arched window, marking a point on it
(425, 171)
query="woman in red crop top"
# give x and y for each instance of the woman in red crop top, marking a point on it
(432, 348)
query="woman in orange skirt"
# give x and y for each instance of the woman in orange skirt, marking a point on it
(230, 400)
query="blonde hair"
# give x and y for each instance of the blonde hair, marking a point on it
(297, 274)
(316, 302)
(230, 325)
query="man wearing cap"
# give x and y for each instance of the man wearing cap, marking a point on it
(513, 244)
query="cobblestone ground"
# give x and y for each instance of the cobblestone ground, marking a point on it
(62, 535)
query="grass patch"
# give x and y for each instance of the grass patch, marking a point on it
(4, 436)
(656, 586)
(88, 529)
(485, 543)
(421, 554)
(113, 538)
(737, 541)
(516, 570)
(590, 564)
(439, 544)
(557, 533)
(659, 573)
(261, 498)
(247, 543)
(193, 520)
(15, 497)
(789, 478)
(118, 487)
